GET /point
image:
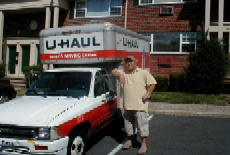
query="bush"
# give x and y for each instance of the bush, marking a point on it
(2, 71)
(208, 66)
(162, 83)
(177, 83)
(226, 88)
(5, 81)
(32, 73)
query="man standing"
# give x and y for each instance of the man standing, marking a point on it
(136, 87)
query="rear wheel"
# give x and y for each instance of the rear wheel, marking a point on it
(77, 143)
(4, 97)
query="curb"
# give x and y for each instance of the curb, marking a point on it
(186, 113)
(189, 109)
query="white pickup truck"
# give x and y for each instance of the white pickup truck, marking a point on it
(77, 98)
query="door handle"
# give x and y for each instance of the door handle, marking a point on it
(104, 100)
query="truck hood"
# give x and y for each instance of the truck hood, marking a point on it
(35, 111)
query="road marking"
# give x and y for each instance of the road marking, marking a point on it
(116, 149)
(150, 116)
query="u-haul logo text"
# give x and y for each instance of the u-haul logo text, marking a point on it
(72, 43)
(130, 43)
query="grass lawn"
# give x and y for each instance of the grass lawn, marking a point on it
(181, 97)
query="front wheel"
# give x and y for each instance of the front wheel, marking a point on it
(77, 143)
(4, 97)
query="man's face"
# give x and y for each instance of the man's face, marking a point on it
(131, 65)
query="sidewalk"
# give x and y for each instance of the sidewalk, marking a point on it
(189, 109)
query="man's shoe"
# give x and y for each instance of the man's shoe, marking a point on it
(142, 151)
(127, 145)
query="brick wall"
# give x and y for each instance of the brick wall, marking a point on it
(176, 67)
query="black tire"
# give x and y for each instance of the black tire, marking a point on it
(77, 143)
(4, 97)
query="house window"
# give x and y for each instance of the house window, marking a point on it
(144, 2)
(172, 42)
(148, 35)
(188, 42)
(80, 9)
(97, 8)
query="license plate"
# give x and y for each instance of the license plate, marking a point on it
(13, 150)
(6, 143)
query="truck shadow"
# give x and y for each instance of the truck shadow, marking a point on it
(113, 130)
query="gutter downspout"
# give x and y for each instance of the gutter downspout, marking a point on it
(1, 36)
(126, 6)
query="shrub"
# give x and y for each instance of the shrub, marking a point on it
(226, 88)
(5, 81)
(32, 73)
(177, 83)
(2, 71)
(162, 83)
(207, 68)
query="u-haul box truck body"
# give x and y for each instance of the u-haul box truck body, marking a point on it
(75, 99)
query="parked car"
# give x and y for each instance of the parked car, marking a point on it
(7, 92)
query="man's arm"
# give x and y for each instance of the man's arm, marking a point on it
(149, 92)
(118, 74)
(115, 72)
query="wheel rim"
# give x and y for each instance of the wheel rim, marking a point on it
(77, 146)
(3, 99)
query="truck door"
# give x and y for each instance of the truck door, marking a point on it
(101, 89)
(100, 94)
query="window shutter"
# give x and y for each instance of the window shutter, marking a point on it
(135, 2)
(12, 59)
(25, 57)
(199, 36)
(71, 9)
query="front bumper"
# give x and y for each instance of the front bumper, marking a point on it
(28, 147)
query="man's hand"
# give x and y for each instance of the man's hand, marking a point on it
(149, 92)
(145, 97)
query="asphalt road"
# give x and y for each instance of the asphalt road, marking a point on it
(169, 135)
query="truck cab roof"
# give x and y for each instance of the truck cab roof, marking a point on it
(74, 69)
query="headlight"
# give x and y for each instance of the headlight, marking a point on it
(44, 133)
(51, 134)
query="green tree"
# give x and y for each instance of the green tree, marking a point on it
(32, 73)
(207, 68)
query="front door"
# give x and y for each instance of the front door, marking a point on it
(18, 55)
(18, 59)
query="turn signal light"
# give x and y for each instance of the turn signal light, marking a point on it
(41, 147)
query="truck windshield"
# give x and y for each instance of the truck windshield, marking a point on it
(72, 84)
